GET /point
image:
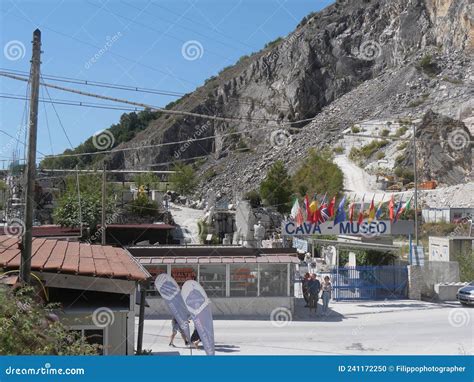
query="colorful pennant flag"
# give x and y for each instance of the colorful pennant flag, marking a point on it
(379, 211)
(340, 213)
(361, 212)
(398, 211)
(332, 204)
(294, 209)
(372, 210)
(391, 206)
(351, 211)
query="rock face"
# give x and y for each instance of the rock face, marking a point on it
(443, 150)
(354, 60)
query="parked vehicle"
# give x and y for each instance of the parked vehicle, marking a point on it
(465, 294)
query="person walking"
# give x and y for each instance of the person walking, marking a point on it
(174, 330)
(326, 288)
(314, 287)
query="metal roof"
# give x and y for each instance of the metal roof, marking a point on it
(269, 259)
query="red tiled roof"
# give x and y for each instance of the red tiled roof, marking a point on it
(83, 259)
(269, 259)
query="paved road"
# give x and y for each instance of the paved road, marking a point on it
(355, 178)
(397, 327)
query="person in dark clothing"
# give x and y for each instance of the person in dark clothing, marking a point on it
(305, 289)
(195, 338)
(314, 287)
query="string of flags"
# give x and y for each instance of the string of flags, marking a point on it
(319, 211)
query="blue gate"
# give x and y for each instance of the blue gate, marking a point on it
(370, 282)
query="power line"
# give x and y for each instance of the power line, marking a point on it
(101, 84)
(165, 111)
(98, 83)
(73, 103)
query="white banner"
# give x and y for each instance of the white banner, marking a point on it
(199, 306)
(375, 228)
(169, 290)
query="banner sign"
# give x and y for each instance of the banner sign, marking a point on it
(300, 244)
(169, 290)
(375, 228)
(199, 306)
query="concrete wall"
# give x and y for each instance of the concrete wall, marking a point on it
(229, 306)
(447, 291)
(435, 272)
(447, 248)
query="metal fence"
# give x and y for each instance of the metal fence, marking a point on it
(370, 282)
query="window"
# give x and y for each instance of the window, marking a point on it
(243, 280)
(273, 280)
(183, 273)
(212, 278)
(155, 270)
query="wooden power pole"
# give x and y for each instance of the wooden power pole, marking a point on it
(25, 265)
(104, 204)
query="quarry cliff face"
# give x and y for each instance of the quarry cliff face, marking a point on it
(355, 59)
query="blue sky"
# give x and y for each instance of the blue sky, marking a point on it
(138, 43)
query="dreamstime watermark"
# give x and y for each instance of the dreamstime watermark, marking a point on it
(458, 139)
(281, 317)
(98, 234)
(15, 227)
(192, 50)
(369, 50)
(103, 317)
(280, 138)
(197, 134)
(45, 370)
(108, 44)
(103, 140)
(14, 50)
(458, 317)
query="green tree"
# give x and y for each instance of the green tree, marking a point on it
(276, 189)
(318, 175)
(67, 212)
(29, 328)
(147, 179)
(184, 179)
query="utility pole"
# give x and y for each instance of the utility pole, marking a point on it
(25, 264)
(415, 178)
(104, 189)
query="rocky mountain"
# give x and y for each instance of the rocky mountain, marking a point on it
(355, 61)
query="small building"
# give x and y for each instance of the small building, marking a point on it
(95, 286)
(447, 248)
(239, 281)
(446, 214)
